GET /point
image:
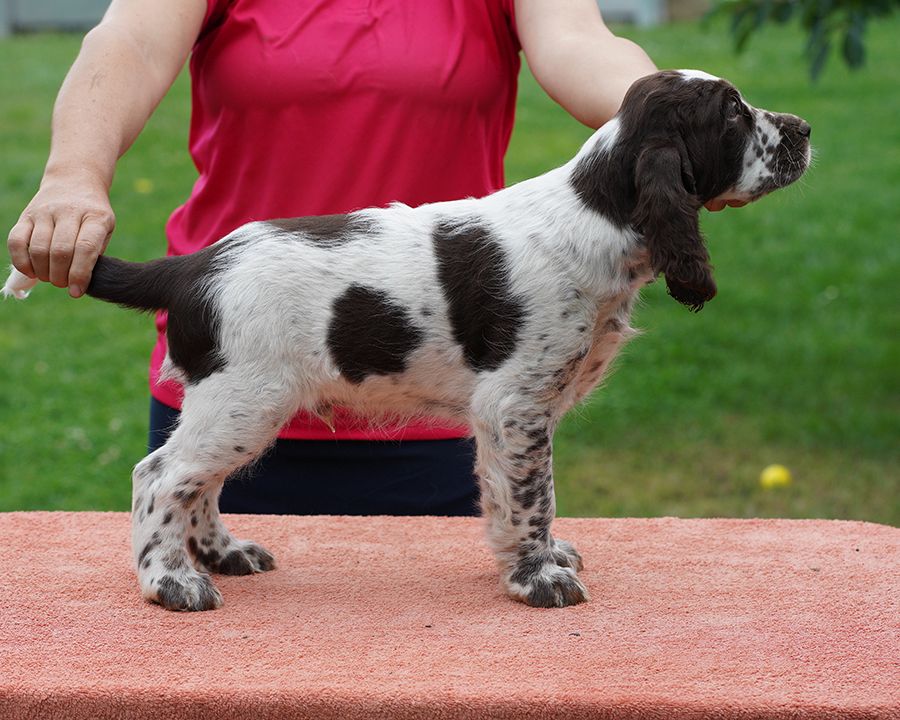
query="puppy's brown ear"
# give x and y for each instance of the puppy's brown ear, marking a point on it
(666, 214)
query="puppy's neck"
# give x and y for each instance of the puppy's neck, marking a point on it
(602, 174)
(547, 212)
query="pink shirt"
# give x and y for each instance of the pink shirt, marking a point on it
(328, 106)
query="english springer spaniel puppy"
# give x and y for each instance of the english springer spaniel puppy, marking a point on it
(501, 312)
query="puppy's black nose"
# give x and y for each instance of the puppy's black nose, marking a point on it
(805, 130)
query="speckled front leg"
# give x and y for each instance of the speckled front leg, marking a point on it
(214, 549)
(515, 470)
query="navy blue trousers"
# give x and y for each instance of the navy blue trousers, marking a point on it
(346, 477)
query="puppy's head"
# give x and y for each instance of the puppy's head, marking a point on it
(683, 138)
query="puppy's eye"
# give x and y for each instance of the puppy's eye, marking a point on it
(735, 109)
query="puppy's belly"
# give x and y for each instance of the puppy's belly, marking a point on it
(412, 394)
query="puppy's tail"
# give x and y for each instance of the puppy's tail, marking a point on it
(140, 286)
(18, 285)
(147, 286)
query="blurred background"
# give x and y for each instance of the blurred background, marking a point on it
(795, 363)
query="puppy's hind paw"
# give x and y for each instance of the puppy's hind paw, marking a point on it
(546, 585)
(189, 591)
(18, 285)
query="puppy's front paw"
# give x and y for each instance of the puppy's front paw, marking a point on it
(543, 583)
(245, 558)
(565, 555)
(187, 590)
(230, 557)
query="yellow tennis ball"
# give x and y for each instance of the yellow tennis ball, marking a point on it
(143, 186)
(775, 476)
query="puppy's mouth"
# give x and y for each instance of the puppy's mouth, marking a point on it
(792, 158)
(787, 164)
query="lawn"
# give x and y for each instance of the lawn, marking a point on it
(795, 362)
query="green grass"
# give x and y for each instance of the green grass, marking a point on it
(794, 362)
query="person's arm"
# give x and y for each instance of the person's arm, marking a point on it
(576, 59)
(125, 66)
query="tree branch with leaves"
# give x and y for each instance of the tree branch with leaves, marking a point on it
(827, 23)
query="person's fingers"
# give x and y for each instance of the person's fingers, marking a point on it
(61, 247)
(92, 239)
(19, 237)
(39, 247)
(716, 205)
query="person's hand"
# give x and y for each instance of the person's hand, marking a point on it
(65, 227)
(716, 205)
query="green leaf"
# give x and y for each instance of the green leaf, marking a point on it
(815, 12)
(783, 11)
(817, 36)
(819, 57)
(854, 49)
(742, 26)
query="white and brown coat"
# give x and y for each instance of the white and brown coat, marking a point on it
(501, 312)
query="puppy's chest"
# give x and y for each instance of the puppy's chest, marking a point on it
(611, 329)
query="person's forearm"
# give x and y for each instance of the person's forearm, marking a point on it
(104, 102)
(577, 59)
(589, 75)
(606, 74)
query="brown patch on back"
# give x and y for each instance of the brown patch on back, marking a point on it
(326, 231)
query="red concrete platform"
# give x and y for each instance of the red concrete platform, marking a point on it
(404, 618)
